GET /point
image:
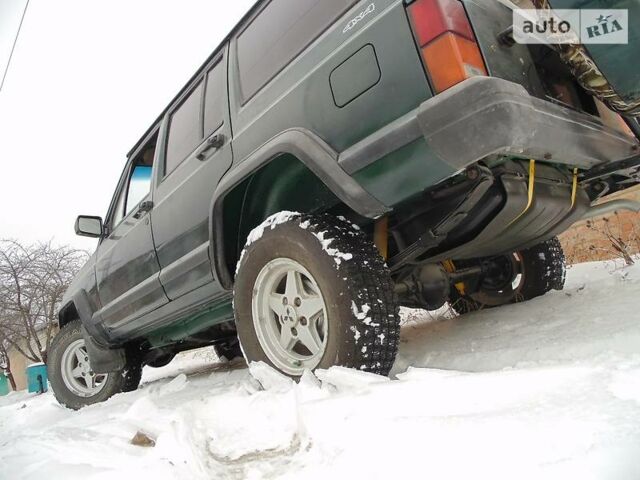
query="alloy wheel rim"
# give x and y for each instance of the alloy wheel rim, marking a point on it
(290, 316)
(77, 374)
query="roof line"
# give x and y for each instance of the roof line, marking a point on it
(215, 52)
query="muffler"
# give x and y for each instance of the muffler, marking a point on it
(612, 206)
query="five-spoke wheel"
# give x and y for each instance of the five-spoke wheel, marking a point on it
(74, 381)
(77, 373)
(289, 316)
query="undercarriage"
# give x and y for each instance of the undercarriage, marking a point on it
(488, 235)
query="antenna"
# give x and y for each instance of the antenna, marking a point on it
(13, 47)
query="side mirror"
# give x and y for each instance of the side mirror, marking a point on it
(89, 226)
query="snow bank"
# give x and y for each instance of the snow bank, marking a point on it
(547, 389)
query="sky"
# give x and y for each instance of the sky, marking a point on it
(88, 77)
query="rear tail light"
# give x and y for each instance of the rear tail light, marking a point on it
(449, 48)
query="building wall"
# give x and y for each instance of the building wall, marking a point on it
(19, 365)
(19, 362)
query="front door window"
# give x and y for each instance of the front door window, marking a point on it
(138, 185)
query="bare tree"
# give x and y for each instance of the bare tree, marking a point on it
(619, 245)
(33, 279)
(5, 364)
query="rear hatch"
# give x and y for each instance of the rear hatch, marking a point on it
(536, 67)
(484, 26)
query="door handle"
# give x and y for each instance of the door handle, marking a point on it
(213, 142)
(145, 207)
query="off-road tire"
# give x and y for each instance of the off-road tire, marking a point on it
(126, 380)
(162, 361)
(548, 263)
(544, 270)
(228, 350)
(362, 309)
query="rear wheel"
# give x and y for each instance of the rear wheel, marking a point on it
(548, 264)
(74, 383)
(518, 277)
(313, 292)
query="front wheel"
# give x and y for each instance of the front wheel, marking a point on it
(74, 383)
(313, 292)
(229, 350)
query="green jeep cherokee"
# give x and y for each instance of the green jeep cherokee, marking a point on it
(430, 158)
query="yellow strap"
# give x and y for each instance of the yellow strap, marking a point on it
(574, 189)
(531, 192)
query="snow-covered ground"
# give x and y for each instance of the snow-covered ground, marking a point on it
(546, 389)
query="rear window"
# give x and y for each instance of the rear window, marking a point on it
(185, 130)
(278, 34)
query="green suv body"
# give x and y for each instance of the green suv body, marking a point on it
(407, 192)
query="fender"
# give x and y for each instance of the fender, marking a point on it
(103, 358)
(87, 316)
(317, 156)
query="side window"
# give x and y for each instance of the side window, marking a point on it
(215, 99)
(280, 32)
(139, 187)
(138, 184)
(185, 130)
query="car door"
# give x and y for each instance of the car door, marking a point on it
(196, 153)
(127, 268)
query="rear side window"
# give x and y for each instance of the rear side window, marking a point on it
(185, 130)
(215, 99)
(280, 32)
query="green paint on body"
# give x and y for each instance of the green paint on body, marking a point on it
(215, 314)
(404, 173)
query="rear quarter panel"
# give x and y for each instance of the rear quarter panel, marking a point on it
(301, 95)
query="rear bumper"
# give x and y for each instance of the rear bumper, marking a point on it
(486, 116)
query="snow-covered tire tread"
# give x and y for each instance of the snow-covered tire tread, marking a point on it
(368, 275)
(373, 314)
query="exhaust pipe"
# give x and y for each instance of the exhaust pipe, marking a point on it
(612, 206)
